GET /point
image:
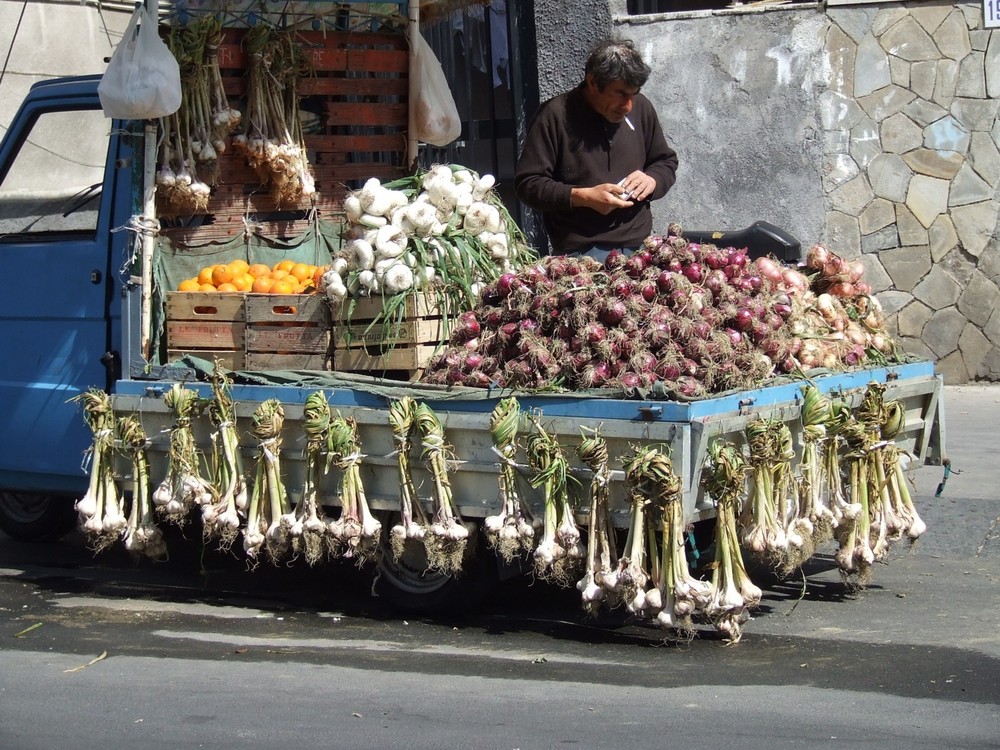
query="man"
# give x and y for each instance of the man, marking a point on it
(595, 157)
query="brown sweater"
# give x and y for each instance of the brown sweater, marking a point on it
(570, 145)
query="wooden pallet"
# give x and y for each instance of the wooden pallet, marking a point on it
(400, 348)
(358, 94)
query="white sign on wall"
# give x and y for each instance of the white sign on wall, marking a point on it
(991, 14)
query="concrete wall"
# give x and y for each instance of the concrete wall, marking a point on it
(871, 128)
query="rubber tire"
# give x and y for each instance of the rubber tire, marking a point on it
(35, 516)
(408, 587)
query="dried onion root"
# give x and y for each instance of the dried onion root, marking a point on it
(599, 581)
(446, 538)
(310, 527)
(356, 531)
(511, 532)
(412, 519)
(184, 486)
(269, 516)
(221, 520)
(142, 535)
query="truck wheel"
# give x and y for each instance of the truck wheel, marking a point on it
(407, 586)
(35, 517)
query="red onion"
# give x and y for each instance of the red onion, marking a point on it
(743, 320)
(613, 312)
(504, 284)
(693, 272)
(615, 260)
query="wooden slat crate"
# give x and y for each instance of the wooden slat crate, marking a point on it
(358, 93)
(364, 343)
(210, 325)
(287, 332)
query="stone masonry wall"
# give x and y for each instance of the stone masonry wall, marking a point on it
(912, 171)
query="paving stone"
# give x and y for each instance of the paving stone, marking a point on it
(841, 52)
(975, 114)
(985, 158)
(946, 83)
(960, 266)
(941, 332)
(854, 21)
(871, 68)
(851, 197)
(943, 165)
(947, 134)
(923, 78)
(951, 36)
(972, 76)
(883, 239)
(910, 321)
(893, 301)
(839, 169)
(989, 368)
(879, 213)
(838, 112)
(886, 18)
(979, 38)
(943, 237)
(930, 17)
(975, 224)
(974, 347)
(917, 348)
(911, 231)
(968, 187)
(952, 369)
(927, 198)
(886, 101)
(989, 263)
(979, 299)
(924, 112)
(900, 134)
(841, 233)
(991, 63)
(889, 176)
(906, 266)
(992, 328)
(906, 39)
(937, 290)
(865, 144)
(899, 72)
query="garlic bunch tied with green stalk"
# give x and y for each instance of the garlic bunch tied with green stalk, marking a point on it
(812, 482)
(734, 593)
(142, 535)
(355, 533)
(600, 579)
(446, 537)
(184, 485)
(309, 530)
(511, 532)
(559, 556)
(221, 520)
(412, 519)
(100, 509)
(269, 514)
(632, 574)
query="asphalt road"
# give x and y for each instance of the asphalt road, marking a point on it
(98, 653)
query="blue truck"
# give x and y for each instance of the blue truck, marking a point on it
(72, 300)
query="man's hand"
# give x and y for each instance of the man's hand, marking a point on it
(607, 197)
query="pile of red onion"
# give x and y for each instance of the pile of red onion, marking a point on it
(696, 318)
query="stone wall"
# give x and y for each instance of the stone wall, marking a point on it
(912, 170)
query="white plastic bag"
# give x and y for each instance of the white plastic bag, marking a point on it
(143, 79)
(437, 117)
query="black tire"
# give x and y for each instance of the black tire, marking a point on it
(408, 587)
(35, 516)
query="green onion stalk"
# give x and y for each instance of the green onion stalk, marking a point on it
(511, 532)
(184, 486)
(734, 593)
(100, 509)
(269, 515)
(447, 537)
(355, 533)
(142, 535)
(601, 577)
(310, 528)
(559, 556)
(221, 520)
(412, 519)
(812, 483)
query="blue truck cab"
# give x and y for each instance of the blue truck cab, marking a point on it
(65, 203)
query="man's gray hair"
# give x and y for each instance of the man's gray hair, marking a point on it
(617, 60)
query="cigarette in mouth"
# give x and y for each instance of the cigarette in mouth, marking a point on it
(629, 123)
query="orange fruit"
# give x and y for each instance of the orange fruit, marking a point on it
(306, 287)
(279, 273)
(284, 265)
(207, 288)
(222, 274)
(226, 287)
(282, 286)
(259, 269)
(262, 285)
(243, 283)
(301, 271)
(318, 275)
(205, 275)
(189, 285)
(239, 266)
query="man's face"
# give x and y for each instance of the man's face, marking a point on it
(614, 102)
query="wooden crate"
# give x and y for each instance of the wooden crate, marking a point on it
(287, 332)
(364, 343)
(209, 325)
(357, 95)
